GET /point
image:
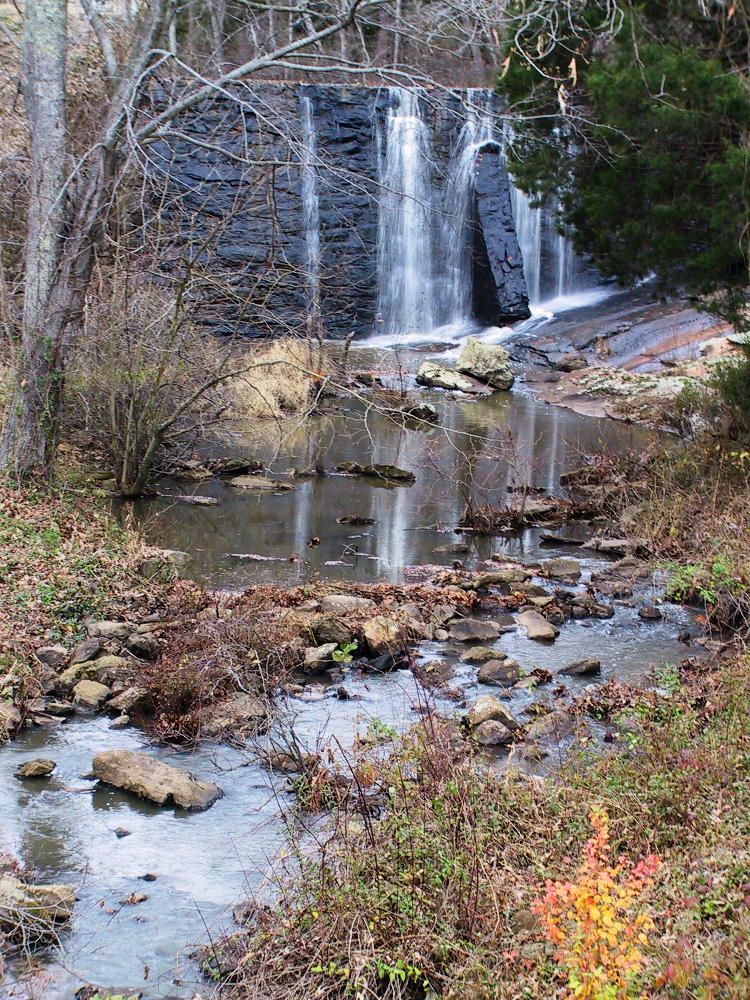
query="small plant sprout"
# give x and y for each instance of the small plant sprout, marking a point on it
(344, 653)
(596, 923)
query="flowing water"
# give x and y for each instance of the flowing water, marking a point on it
(405, 216)
(203, 863)
(310, 210)
(206, 862)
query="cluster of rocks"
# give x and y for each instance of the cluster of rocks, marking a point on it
(480, 369)
(101, 672)
(30, 912)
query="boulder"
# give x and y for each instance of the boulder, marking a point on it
(486, 362)
(109, 669)
(377, 470)
(492, 733)
(330, 628)
(489, 708)
(571, 362)
(90, 694)
(382, 635)
(499, 672)
(10, 718)
(474, 630)
(582, 668)
(234, 466)
(132, 771)
(29, 913)
(437, 672)
(130, 700)
(512, 575)
(649, 613)
(562, 568)
(87, 650)
(537, 626)
(110, 630)
(317, 656)
(165, 565)
(421, 411)
(556, 724)
(189, 471)
(261, 484)
(436, 376)
(478, 654)
(71, 675)
(40, 767)
(144, 645)
(52, 656)
(345, 604)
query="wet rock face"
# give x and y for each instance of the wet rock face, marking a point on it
(500, 294)
(262, 248)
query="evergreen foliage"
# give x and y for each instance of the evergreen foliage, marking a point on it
(639, 125)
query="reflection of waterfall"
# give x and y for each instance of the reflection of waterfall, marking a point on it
(405, 300)
(310, 211)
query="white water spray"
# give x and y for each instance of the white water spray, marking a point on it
(310, 211)
(405, 301)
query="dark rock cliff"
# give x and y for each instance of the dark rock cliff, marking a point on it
(228, 179)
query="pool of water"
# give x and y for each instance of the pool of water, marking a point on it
(206, 862)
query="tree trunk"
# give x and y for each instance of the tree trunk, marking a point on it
(28, 441)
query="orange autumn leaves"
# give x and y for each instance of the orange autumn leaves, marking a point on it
(595, 921)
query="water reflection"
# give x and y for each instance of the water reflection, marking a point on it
(481, 449)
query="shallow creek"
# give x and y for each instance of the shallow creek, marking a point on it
(204, 863)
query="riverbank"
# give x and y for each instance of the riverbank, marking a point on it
(440, 893)
(517, 637)
(632, 357)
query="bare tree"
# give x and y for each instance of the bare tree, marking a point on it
(71, 203)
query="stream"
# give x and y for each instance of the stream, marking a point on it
(204, 863)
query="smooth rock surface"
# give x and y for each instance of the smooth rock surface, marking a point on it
(90, 694)
(537, 626)
(489, 708)
(499, 672)
(436, 376)
(30, 912)
(582, 668)
(382, 635)
(345, 604)
(473, 630)
(493, 733)
(562, 568)
(136, 772)
(40, 767)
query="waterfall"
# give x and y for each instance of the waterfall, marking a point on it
(310, 211)
(405, 297)
(549, 263)
(457, 213)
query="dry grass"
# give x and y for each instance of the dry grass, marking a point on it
(433, 896)
(287, 380)
(690, 503)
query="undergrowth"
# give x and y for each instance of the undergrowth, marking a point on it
(440, 893)
(690, 504)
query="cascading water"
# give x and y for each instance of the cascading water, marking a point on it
(457, 214)
(405, 298)
(310, 211)
(549, 262)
